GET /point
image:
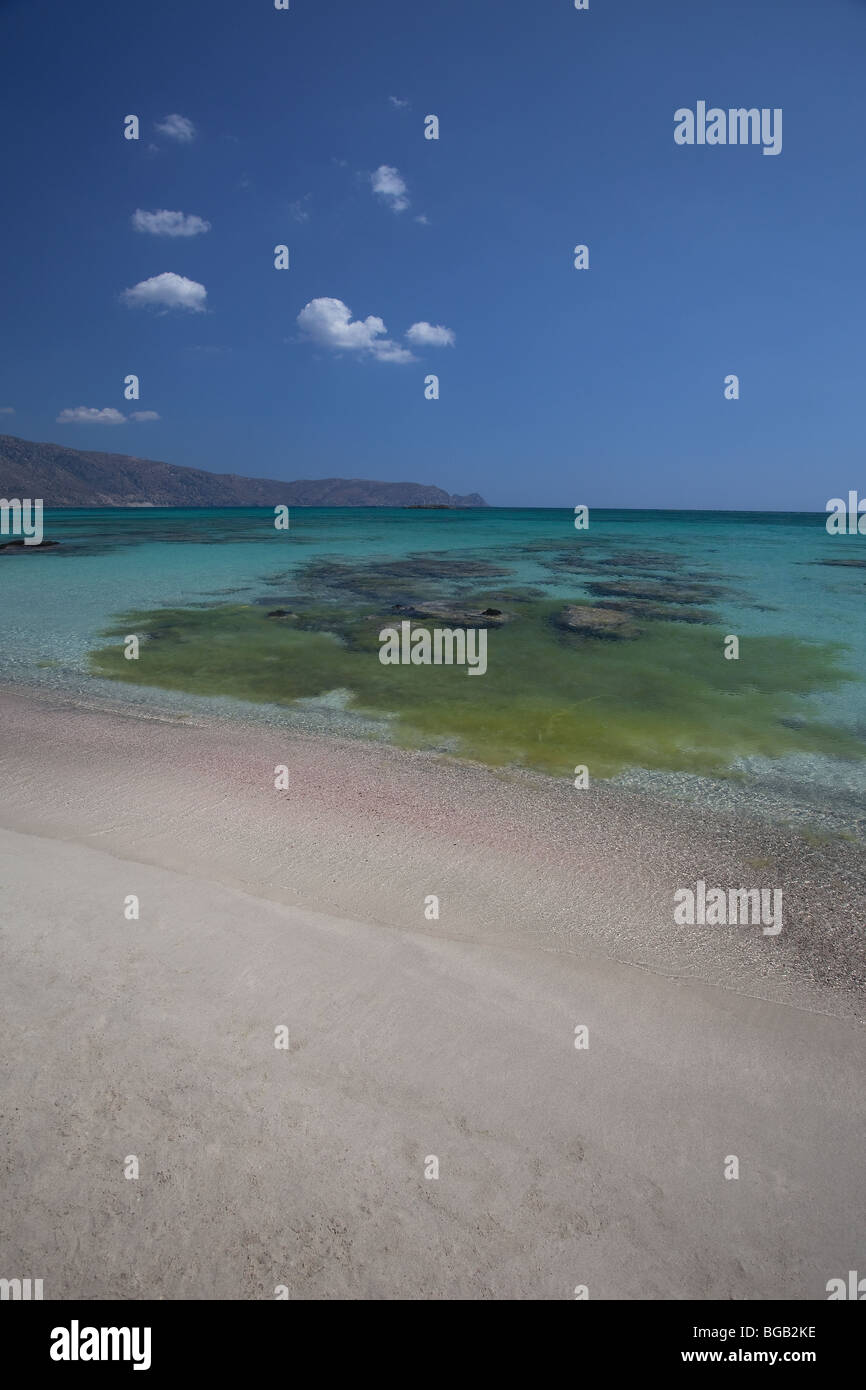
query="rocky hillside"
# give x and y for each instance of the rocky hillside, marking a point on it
(65, 477)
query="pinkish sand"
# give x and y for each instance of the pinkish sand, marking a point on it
(409, 1038)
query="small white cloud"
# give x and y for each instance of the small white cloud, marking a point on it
(387, 351)
(395, 101)
(329, 323)
(7, 410)
(299, 210)
(178, 128)
(167, 291)
(423, 219)
(165, 223)
(430, 335)
(89, 415)
(390, 186)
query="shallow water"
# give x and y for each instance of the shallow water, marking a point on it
(788, 718)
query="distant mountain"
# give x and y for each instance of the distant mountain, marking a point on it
(69, 478)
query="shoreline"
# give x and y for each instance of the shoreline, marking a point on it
(519, 855)
(774, 791)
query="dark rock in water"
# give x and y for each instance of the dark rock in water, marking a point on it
(525, 594)
(389, 578)
(662, 612)
(658, 591)
(281, 613)
(646, 561)
(584, 557)
(850, 562)
(18, 546)
(454, 616)
(590, 621)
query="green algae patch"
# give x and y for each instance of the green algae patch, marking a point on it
(549, 699)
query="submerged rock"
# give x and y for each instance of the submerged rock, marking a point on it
(18, 546)
(657, 591)
(453, 615)
(663, 612)
(848, 562)
(646, 561)
(525, 594)
(591, 621)
(386, 576)
(637, 563)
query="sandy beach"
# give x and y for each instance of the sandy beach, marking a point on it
(410, 1038)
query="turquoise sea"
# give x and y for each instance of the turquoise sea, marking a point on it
(782, 729)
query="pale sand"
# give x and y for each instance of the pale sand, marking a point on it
(409, 1038)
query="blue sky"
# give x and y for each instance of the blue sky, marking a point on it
(556, 128)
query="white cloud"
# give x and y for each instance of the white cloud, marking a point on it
(7, 410)
(386, 351)
(298, 209)
(395, 101)
(167, 291)
(390, 185)
(430, 335)
(423, 219)
(165, 223)
(178, 128)
(89, 415)
(329, 323)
